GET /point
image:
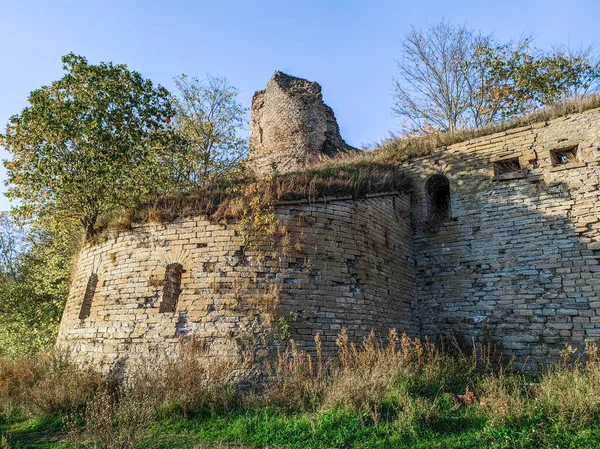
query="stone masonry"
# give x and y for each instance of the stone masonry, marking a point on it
(291, 126)
(499, 238)
(518, 257)
(343, 264)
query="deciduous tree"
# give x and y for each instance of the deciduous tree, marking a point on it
(90, 142)
(432, 84)
(209, 119)
(452, 77)
(34, 278)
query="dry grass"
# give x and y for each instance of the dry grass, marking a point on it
(232, 197)
(353, 174)
(191, 382)
(119, 414)
(296, 381)
(46, 383)
(404, 383)
(402, 149)
(110, 421)
(504, 395)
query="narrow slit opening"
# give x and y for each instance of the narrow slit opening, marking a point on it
(171, 288)
(88, 297)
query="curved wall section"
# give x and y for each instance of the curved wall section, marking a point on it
(342, 264)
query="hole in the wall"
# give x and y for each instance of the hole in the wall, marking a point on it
(299, 264)
(437, 191)
(564, 156)
(208, 267)
(183, 326)
(507, 166)
(172, 288)
(88, 297)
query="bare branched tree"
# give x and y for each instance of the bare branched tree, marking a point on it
(452, 77)
(432, 85)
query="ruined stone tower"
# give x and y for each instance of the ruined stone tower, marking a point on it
(291, 126)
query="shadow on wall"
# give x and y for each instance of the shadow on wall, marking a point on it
(513, 254)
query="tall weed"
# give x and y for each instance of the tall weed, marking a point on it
(409, 385)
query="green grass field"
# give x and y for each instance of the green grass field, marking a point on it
(465, 428)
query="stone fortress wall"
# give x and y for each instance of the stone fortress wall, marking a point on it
(343, 264)
(518, 255)
(499, 238)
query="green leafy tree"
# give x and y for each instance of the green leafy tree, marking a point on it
(93, 141)
(34, 276)
(209, 119)
(13, 244)
(520, 78)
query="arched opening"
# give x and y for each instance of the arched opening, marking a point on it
(171, 288)
(88, 297)
(437, 191)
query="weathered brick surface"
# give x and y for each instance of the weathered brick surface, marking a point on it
(519, 256)
(518, 259)
(343, 264)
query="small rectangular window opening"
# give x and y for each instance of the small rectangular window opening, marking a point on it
(507, 166)
(564, 156)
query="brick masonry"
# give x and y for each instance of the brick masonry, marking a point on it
(516, 259)
(343, 264)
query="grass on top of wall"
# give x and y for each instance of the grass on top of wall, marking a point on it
(355, 174)
(402, 149)
(232, 196)
(403, 394)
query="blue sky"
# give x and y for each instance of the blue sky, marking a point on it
(349, 47)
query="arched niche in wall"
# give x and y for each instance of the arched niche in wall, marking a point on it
(171, 288)
(88, 297)
(437, 196)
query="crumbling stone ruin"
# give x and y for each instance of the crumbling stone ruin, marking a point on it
(291, 126)
(499, 237)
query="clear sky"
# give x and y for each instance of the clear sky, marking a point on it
(348, 46)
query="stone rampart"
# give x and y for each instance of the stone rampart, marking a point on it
(499, 238)
(342, 264)
(517, 254)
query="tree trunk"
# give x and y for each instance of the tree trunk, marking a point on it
(89, 226)
(89, 231)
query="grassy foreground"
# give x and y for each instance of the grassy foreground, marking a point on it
(401, 394)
